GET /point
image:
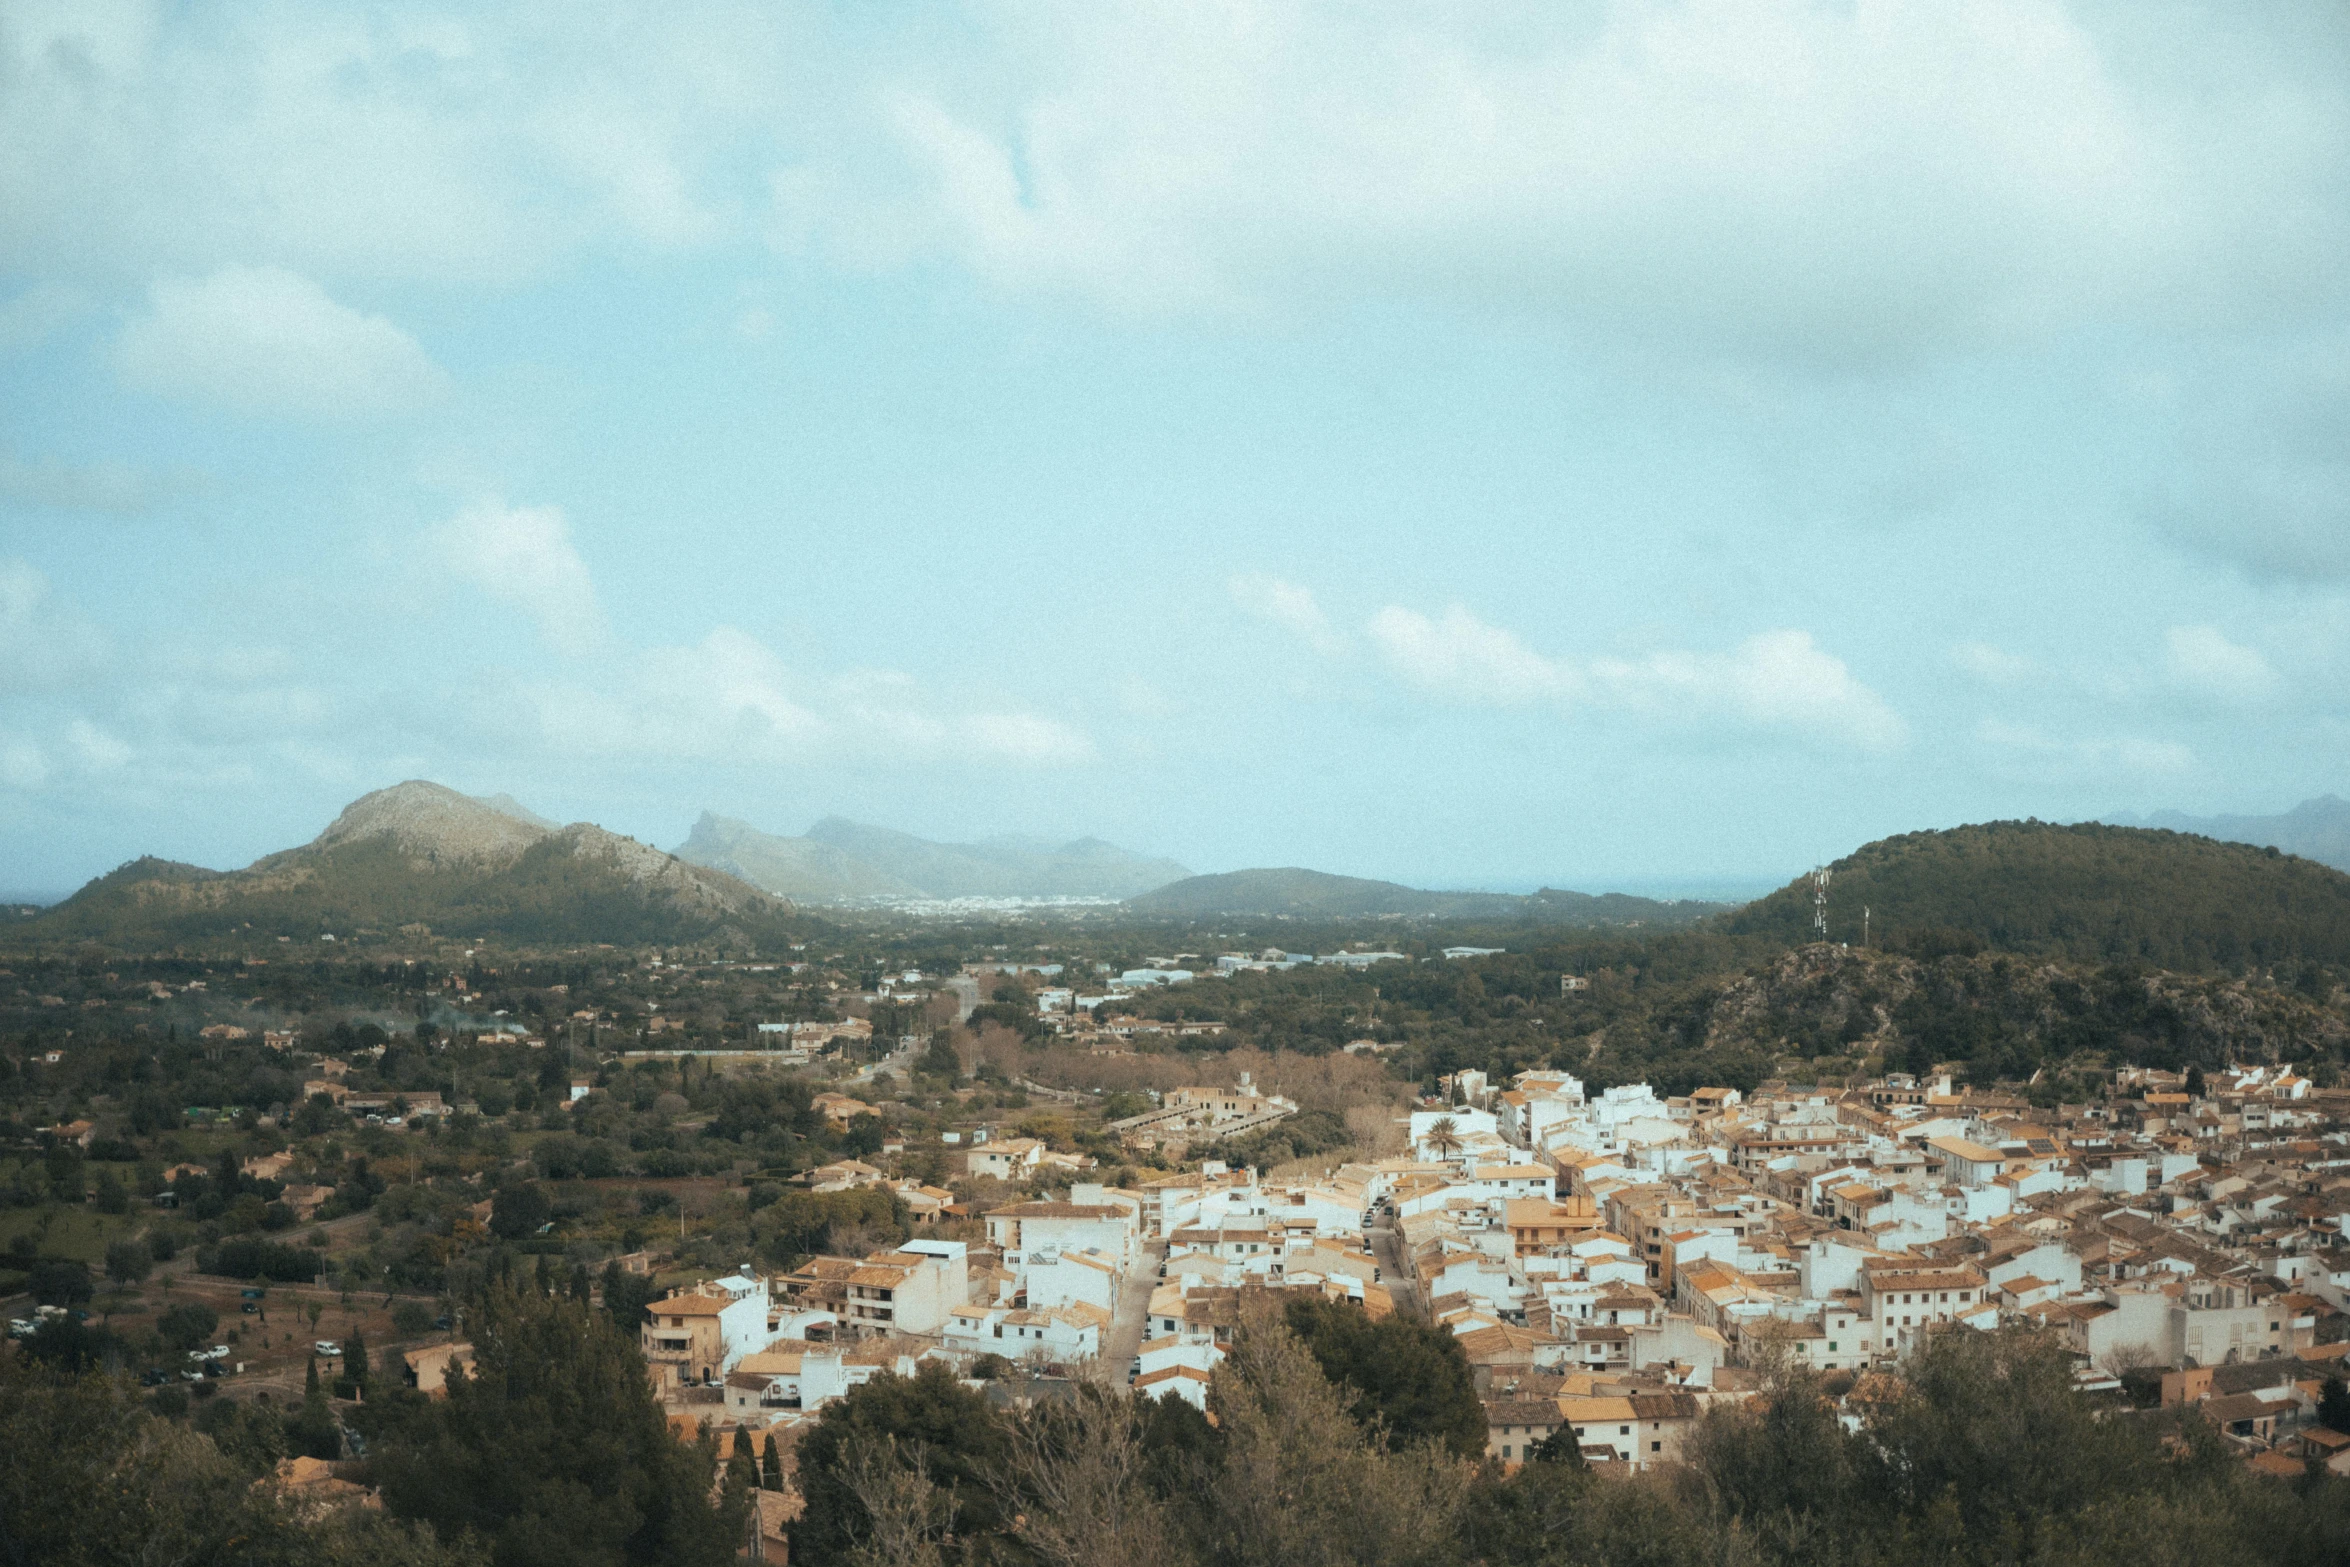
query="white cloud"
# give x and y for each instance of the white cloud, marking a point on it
(263, 340)
(1288, 606)
(730, 699)
(1776, 680)
(524, 556)
(2202, 660)
(1779, 680)
(1814, 182)
(2093, 755)
(1462, 658)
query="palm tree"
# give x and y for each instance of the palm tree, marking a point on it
(1445, 1136)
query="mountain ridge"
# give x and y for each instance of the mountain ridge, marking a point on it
(2316, 829)
(838, 860)
(421, 855)
(1296, 892)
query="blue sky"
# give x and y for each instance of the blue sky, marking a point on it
(1634, 445)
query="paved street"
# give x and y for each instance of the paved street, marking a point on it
(1387, 1246)
(1124, 1339)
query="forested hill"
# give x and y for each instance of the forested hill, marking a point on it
(1304, 894)
(418, 858)
(2088, 892)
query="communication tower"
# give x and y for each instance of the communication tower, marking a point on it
(1819, 901)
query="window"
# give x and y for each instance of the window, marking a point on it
(1656, 1447)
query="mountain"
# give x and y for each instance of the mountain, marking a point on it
(420, 855)
(2316, 829)
(2090, 892)
(840, 860)
(1308, 894)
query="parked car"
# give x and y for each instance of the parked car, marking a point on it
(217, 1352)
(327, 1346)
(192, 1374)
(22, 1327)
(249, 1308)
(154, 1376)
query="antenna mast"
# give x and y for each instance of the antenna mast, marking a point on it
(1819, 901)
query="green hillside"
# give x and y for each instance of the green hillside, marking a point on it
(421, 856)
(2089, 892)
(1304, 894)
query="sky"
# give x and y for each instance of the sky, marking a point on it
(1658, 446)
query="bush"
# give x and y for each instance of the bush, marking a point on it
(411, 1318)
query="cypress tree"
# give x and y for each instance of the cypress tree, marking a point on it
(355, 1360)
(310, 1382)
(579, 1282)
(742, 1470)
(544, 1279)
(772, 1466)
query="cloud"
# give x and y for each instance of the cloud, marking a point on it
(1777, 680)
(1288, 606)
(262, 340)
(2084, 754)
(1459, 657)
(2201, 659)
(523, 555)
(1811, 183)
(730, 699)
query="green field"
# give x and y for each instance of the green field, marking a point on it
(79, 1233)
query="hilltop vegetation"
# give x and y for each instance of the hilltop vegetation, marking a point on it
(429, 859)
(1317, 895)
(2088, 892)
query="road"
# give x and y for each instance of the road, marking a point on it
(1124, 1339)
(1394, 1271)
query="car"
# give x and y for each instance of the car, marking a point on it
(217, 1352)
(154, 1376)
(192, 1374)
(1134, 1371)
(327, 1346)
(248, 1308)
(22, 1327)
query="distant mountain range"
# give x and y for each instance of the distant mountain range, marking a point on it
(2316, 829)
(2091, 892)
(1308, 894)
(839, 861)
(418, 856)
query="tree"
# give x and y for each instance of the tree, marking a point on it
(60, 1282)
(554, 1451)
(187, 1325)
(109, 1194)
(1444, 1136)
(127, 1262)
(356, 1370)
(941, 1059)
(927, 1426)
(516, 1212)
(626, 1295)
(92, 1478)
(771, 1467)
(1406, 1376)
(742, 1465)
(2333, 1406)
(2194, 1081)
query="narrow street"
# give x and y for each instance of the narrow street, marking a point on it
(1387, 1246)
(1124, 1339)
